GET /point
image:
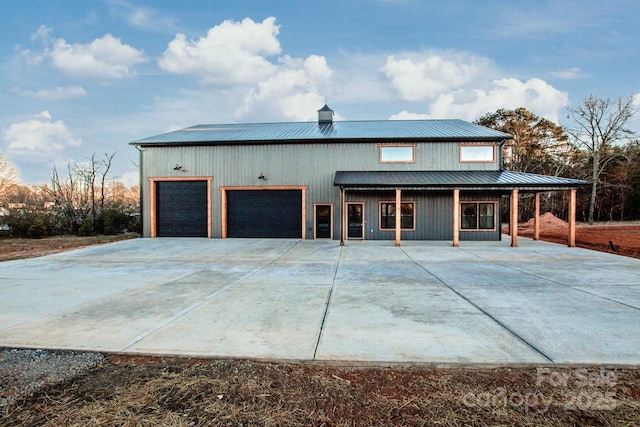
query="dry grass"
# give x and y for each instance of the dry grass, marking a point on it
(131, 391)
(19, 248)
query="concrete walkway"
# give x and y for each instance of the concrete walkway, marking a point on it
(314, 300)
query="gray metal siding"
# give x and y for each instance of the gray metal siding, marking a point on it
(313, 165)
(433, 216)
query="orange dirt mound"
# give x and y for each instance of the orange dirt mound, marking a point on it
(548, 223)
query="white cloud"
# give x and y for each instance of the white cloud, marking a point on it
(57, 93)
(295, 92)
(423, 77)
(143, 17)
(43, 33)
(570, 73)
(232, 52)
(405, 115)
(39, 140)
(536, 95)
(105, 58)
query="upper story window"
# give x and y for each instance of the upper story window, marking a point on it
(397, 153)
(478, 153)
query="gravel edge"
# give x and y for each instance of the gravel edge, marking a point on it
(25, 371)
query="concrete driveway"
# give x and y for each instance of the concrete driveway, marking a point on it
(314, 300)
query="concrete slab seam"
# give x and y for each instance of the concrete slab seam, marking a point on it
(328, 303)
(204, 300)
(57, 314)
(562, 284)
(527, 343)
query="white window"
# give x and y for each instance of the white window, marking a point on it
(397, 153)
(477, 153)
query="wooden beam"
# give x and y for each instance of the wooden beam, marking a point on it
(513, 218)
(398, 215)
(456, 217)
(209, 208)
(536, 218)
(342, 216)
(304, 213)
(152, 208)
(223, 213)
(572, 218)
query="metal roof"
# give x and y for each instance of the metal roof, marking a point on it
(247, 133)
(453, 179)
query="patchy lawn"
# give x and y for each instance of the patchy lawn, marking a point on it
(133, 390)
(18, 248)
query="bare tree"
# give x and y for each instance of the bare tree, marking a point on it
(106, 163)
(8, 173)
(597, 126)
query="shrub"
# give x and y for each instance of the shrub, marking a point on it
(38, 229)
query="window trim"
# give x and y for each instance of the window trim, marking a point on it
(413, 212)
(413, 153)
(461, 146)
(478, 203)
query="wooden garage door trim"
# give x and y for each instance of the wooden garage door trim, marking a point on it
(152, 201)
(302, 188)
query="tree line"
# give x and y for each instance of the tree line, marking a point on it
(82, 200)
(597, 145)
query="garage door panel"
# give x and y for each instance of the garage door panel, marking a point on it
(181, 208)
(264, 213)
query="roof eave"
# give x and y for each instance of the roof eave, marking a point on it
(319, 140)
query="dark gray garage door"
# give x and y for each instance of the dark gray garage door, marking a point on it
(181, 208)
(264, 213)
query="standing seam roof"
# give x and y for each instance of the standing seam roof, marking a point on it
(314, 131)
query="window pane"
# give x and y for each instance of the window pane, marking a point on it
(388, 216)
(486, 216)
(406, 215)
(396, 154)
(477, 153)
(469, 216)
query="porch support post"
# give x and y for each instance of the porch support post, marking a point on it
(456, 217)
(536, 218)
(398, 215)
(342, 216)
(572, 218)
(513, 218)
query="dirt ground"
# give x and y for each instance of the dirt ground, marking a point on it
(131, 391)
(618, 238)
(136, 390)
(14, 248)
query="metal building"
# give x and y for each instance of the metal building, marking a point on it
(396, 180)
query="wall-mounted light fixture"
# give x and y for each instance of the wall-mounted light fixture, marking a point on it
(262, 177)
(177, 167)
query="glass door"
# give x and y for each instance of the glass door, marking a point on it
(355, 220)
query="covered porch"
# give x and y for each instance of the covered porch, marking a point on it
(458, 185)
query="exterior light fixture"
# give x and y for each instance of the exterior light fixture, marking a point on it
(177, 167)
(262, 177)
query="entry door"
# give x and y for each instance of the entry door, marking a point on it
(323, 221)
(355, 220)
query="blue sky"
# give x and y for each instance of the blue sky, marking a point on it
(81, 77)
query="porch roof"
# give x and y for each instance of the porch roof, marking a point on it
(440, 180)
